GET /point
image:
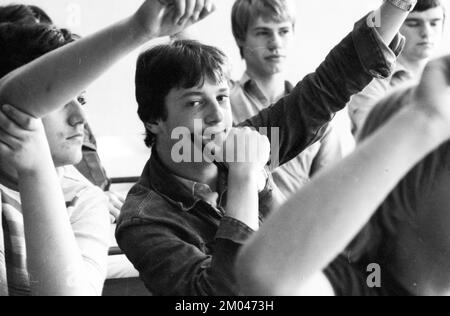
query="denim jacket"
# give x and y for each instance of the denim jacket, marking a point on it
(182, 245)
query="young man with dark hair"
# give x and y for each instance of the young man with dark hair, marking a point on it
(90, 166)
(24, 139)
(264, 32)
(23, 14)
(185, 221)
(423, 31)
(53, 238)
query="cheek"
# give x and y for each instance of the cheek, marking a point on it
(53, 133)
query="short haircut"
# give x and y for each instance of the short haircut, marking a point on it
(374, 243)
(244, 12)
(425, 5)
(182, 64)
(21, 44)
(23, 14)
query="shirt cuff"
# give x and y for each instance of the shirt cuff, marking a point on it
(234, 230)
(405, 5)
(377, 58)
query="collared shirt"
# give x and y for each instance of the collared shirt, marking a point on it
(179, 243)
(89, 218)
(204, 192)
(362, 103)
(90, 166)
(247, 100)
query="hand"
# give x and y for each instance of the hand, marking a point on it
(115, 204)
(249, 150)
(23, 143)
(433, 92)
(160, 18)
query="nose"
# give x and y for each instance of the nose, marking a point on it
(215, 113)
(275, 42)
(426, 30)
(76, 115)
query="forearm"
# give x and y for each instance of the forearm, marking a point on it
(54, 259)
(322, 219)
(242, 199)
(391, 20)
(53, 80)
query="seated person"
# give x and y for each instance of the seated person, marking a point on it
(28, 166)
(184, 222)
(264, 32)
(390, 197)
(423, 31)
(90, 166)
(66, 243)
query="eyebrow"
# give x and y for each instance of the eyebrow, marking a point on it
(191, 94)
(199, 93)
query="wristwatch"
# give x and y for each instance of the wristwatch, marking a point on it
(405, 5)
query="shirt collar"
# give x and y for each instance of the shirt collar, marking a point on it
(250, 86)
(184, 193)
(400, 75)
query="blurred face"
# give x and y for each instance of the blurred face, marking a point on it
(267, 46)
(208, 104)
(65, 133)
(423, 32)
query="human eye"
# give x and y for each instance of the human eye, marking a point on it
(285, 31)
(223, 98)
(82, 99)
(412, 23)
(262, 33)
(194, 103)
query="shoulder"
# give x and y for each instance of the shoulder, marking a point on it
(82, 197)
(144, 205)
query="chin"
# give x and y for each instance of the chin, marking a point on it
(68, 159)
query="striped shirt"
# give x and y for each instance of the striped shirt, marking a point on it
(88, 212)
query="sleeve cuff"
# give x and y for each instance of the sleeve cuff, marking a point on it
(377, 58)
(234, 230)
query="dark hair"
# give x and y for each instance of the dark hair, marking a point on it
(376, 240)
(23, 14)
(182, 64)
(21, 44)
(424, 5)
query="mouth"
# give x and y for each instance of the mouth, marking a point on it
(426, 44)
(275, 58)
(209, 136)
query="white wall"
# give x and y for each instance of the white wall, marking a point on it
(112, 107)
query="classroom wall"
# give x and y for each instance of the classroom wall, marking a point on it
(112, 107)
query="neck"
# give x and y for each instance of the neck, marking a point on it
(202, 172)
(414, 66)
(272, 86)
(420, 268)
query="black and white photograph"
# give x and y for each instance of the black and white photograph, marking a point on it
(226, 154)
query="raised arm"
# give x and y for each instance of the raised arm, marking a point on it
(390, 17)
(364, 54)
(58, 77)
(320, 221)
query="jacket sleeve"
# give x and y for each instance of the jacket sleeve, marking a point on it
(171, 263)
(300, 119)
